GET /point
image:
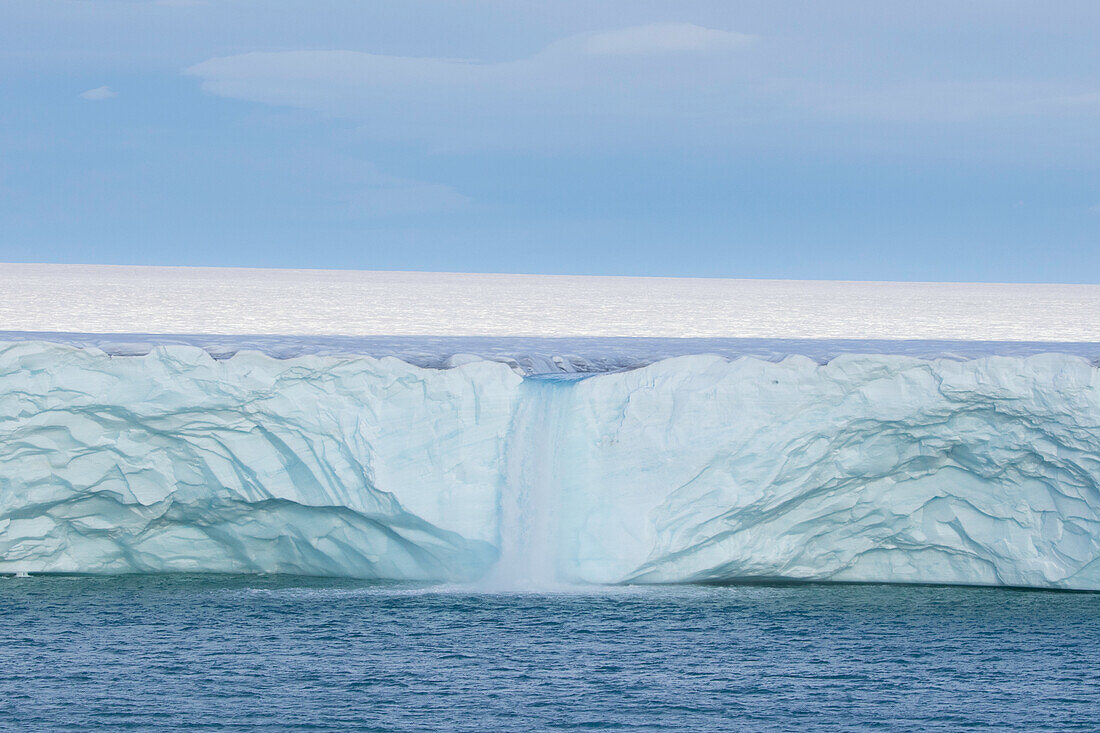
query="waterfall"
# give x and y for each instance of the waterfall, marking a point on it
(528, 520)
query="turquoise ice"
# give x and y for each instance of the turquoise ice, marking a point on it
(875, 468)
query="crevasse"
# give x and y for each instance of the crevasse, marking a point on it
(873, 468)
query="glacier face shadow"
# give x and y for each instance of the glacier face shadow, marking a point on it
(865, 468)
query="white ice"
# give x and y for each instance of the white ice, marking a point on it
(114, 299)
(885, 468)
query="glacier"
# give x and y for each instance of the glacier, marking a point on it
(861, 467)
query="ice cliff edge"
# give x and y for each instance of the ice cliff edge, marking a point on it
(868, 468)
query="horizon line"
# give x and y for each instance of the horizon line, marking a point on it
(490, 273)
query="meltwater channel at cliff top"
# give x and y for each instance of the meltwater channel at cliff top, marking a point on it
(530, 462)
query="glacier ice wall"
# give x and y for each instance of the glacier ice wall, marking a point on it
(176, 462)
(868, 468)
(699, 468)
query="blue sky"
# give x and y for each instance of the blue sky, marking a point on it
(835, 140)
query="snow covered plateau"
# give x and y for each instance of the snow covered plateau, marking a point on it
(917, 466)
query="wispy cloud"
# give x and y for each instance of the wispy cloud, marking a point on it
(947, 101)
(99, 94)
(661, 38)
(378, 195)
(584, 87)
(661, 83)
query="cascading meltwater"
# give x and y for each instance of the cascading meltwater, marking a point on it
(529, 529)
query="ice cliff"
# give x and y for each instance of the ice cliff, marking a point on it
(699, 468)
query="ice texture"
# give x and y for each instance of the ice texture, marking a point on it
(869, 467)
(176, 462)
(233, 300)
(530, 355)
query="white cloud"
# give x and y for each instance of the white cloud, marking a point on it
(338, 79)
(585, 88)
(99, 94)
(672, 84)
(662, 37)
(380, 195)
(950, 101)
(407, 200)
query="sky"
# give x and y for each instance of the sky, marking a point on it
(932, 141)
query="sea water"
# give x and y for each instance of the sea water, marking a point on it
(266, 653)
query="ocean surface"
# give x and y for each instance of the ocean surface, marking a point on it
(274, 653)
